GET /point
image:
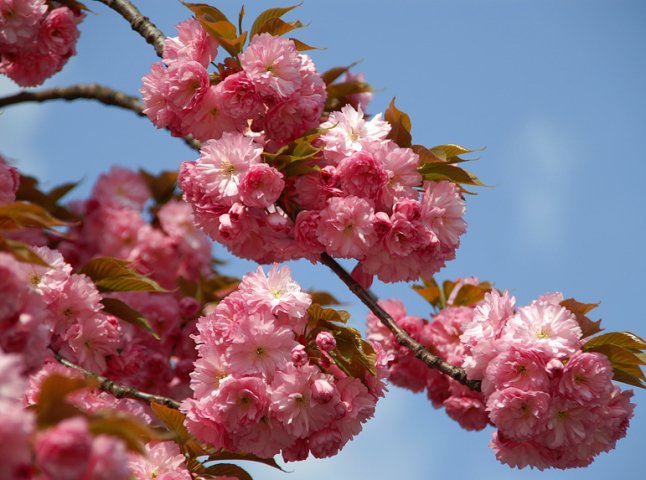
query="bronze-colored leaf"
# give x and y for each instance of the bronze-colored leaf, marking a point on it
(123, 311)
(226, 469)
(21, 251)
(441, 171)
(173, 419)
(430, 291)
(323, 298)
(52, 406)
(588, 327)
(20, 215)
(302, 46)
(225, 455)
(319, 314)
(218, 26)
(620, 339)
(114, 275)
(277, 26)
(616, 354)
(134, 433)
(267, 15)
(469, 295)
(400, 125)
(334, 73)
(162, 186)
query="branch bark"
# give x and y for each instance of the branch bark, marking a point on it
(87, 91)
(117, 390)
(139, 23)
(400, 334)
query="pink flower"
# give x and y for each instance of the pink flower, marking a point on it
(261, 186)
(325, 443)
(346, 228)
(349, 132)
(91, 340)
(19, 20)
(108, 460)
(362, 175)
(567, 423)
(587, 378)
(188, 82)
(29, 68)
(241, 403)
(443, 210)
(17, 426)
(401, 165)
(546, 327)
(154, 90)
(273, 65)
(121, 187)
(240, 99)
(161, 459)
(520, 454)
(59, 32)
(63, 452)
(223, 163)
(521, 368)
(192, 44)
(468, 411)
(517, 413)
(208, 120)
(299, 356)
(325, 341)
(9, 181)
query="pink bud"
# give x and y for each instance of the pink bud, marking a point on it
(325, 341)
(322, 391)
(362, 278)
(299, 356)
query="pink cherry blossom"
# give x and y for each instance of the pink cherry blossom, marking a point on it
(519, 414)
(261, 186)
(192, 44)
(63, 452)
(9, 181)
(346, 227)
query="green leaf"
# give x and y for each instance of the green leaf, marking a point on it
(620, 339)
(20, 215)
(400, 125)
(442, 171)
(267, 15)
(114, 275)
(226, 469)
(121, 310)
(21, 251)
(588, 327)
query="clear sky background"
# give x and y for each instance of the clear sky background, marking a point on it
(554, 90)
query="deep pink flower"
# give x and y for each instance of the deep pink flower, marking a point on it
(362, 175)
(240, 98)
(261, 186)
(63, 451)
(9, 181)
(587, 378)
(346, 227)
(519, 414)
(525, 369)
(59, 32)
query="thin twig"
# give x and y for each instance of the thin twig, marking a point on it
(400, 334)
(117, 390)
(87, 91)
(139, 23)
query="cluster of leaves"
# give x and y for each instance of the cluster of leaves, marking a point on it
(466, 296)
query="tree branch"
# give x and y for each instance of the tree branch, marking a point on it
(120, 391)
(400, 334)
(88, 91)
(139, 23)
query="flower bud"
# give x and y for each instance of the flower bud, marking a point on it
(325, 341)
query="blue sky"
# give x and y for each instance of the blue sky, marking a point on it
(553, 89)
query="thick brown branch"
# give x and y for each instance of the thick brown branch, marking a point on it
(139, 23)
(87, 91)
(120, 391)
(400, 334)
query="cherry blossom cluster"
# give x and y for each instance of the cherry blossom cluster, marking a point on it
(66, 450)
(441, 337)
(272, 88)
(263, 385)
(37, 37)
(553, 404)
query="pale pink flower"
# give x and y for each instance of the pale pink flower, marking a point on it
(59, 32)
(91, 339)
(241, 403)
(223, 163)
(63, 451)
(208, 119)
(277, 290)
(520, 454)
(567, 423)
(9, 181)
(521, 368)
(259, 346)
(546, 327)
(346, 227)
(192, 44)
(349, 132)
(202, 421)
(261, 186)
(587, 378)
(160, 459)
(12, 384)
(76, 299)
(519, 414)
(152, 249)
(154, 90)
(443, 210)
(273, 65)
(401, 166)
(121, 187)
(19, 20)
